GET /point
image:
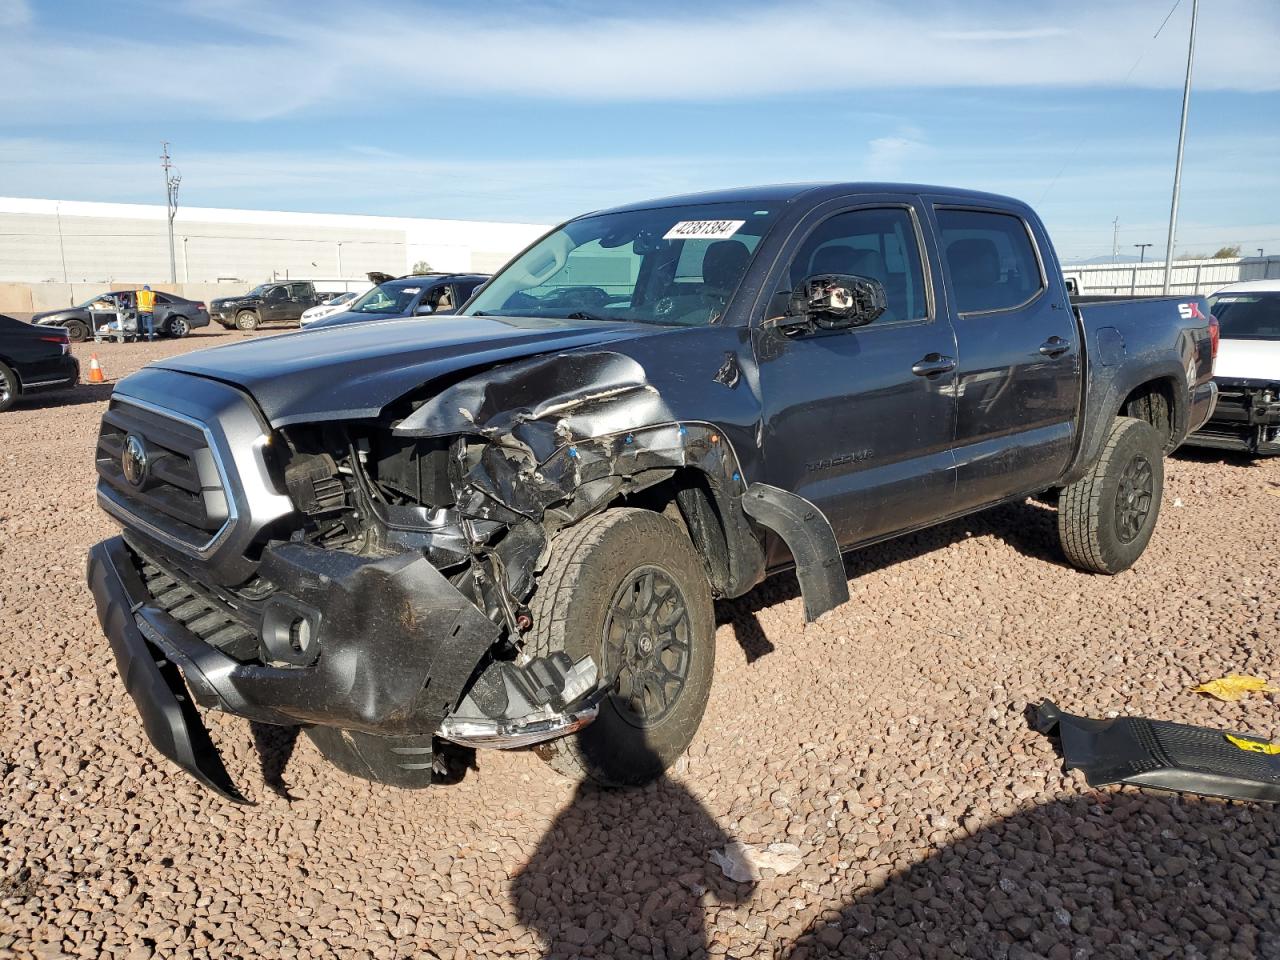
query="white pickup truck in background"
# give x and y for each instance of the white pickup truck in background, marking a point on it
(1247, 370)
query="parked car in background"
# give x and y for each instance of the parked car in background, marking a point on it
(1247, 370)
(175, 316)
(505, 528)
(334, 304)
(34, 357)
(416, 296)
(267, 303)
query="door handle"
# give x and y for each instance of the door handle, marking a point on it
(1054, 347)
(933, 364)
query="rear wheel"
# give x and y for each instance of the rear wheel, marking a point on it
(247, 321)
(627, 588)
(1106, 518)
(77, 332)
(178, 327)
(8, 387)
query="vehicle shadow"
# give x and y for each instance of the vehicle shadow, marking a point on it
(1119, 874)
(1029, 526)
(1228, 458)
(73, 397)
(649, 899)
(274, 746)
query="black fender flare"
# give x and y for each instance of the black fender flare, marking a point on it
(808, 535)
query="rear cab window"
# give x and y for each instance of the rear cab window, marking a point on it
(991, 261)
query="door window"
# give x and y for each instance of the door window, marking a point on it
(277, 295)
(877, 244)
(300, 290)
(992, 264)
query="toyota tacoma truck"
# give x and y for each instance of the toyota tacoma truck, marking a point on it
(507, 528)
(275, 302)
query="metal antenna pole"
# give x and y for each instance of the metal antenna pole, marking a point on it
(1182, 140)
(171, 205)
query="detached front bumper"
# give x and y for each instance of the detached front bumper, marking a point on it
(374, 657)
(380, 650)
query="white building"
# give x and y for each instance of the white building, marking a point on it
(73, 242)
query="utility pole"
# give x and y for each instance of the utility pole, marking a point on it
(171, 182)
(1182, 142)
(1142, 251)
(1115, 239)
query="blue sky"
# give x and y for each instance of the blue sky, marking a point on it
(537, 111)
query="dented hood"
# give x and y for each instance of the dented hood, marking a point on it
(352, 372)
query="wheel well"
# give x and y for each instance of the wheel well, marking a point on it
(687, 498)
(1153, 402)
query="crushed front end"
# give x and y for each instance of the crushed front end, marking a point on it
(320, 575)
(1247, 418)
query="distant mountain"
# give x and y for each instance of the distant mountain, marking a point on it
(1123, 258)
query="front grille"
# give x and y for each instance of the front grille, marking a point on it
(209, 619)
(180, 493)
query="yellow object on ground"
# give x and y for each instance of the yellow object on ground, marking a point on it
(1255, 746)
(1235, 686)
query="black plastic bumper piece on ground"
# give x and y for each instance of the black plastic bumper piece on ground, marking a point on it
(168, 716)
(1163, 755)
(808, 535)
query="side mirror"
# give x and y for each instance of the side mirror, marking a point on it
(423, 310)
(836, 301)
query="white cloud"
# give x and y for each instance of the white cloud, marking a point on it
(14, 13)
(293, 59)
(891, 158)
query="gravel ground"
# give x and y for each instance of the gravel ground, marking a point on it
(888, 742)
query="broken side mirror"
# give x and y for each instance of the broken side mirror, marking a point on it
(836, 301)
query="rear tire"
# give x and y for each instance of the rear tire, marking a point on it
(1106, 518)
(246, 321)
(8, 387)
(627, 588)
(178, 327)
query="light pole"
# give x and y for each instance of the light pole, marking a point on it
(1182, 142)
(171, 205)
(1142, 251)
(186, 262)
(341, 276)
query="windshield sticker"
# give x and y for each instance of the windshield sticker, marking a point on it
(704, 229)
(411, 290)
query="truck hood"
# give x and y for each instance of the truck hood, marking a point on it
(352, 372)
(1248, 360)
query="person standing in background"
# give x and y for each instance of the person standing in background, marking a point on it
(147, 311)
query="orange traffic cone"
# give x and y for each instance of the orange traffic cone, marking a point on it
(95, 370)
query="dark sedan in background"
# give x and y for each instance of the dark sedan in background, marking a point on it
(175, 316)
(417, 296)
(33, 358)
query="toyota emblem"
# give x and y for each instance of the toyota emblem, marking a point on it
(134, 461)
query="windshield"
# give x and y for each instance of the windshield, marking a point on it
(259, 290)
(1247, 316)
(673, 265)
(387, 299)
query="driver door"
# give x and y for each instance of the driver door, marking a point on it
(861, 421)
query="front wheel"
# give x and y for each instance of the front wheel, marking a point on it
(247, 321)
(1106, 518)
(77, 332)
(8, 388)
(627, 588)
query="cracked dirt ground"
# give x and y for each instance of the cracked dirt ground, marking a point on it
(887, 742)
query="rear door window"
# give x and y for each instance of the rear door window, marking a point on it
(990, 259)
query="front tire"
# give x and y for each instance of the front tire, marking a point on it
(1106, 518)
(8, 387)
(77, 332)
(246, 321)
(627, 588)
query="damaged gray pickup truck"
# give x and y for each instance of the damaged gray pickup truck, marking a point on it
(506, 528)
